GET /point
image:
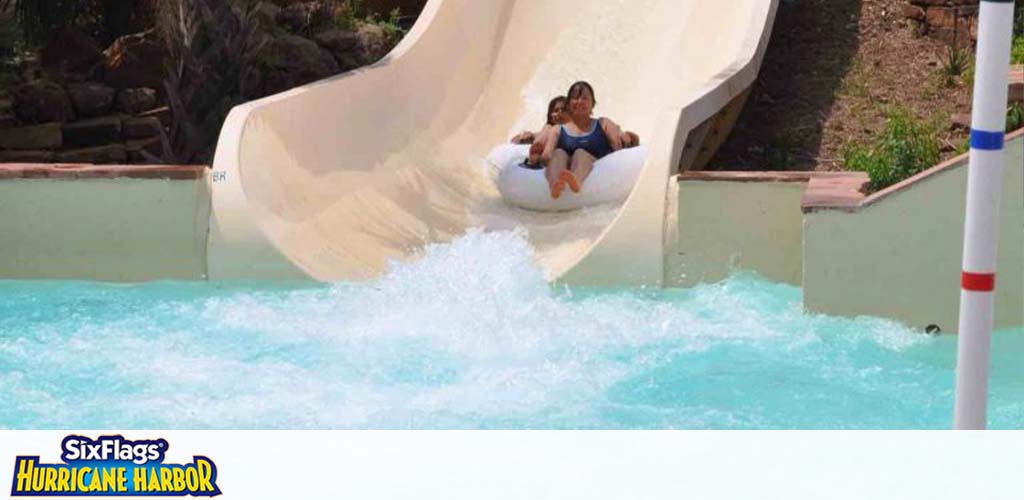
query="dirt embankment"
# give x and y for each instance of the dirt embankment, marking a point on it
(833, 72)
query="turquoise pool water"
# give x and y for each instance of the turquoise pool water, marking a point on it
(470, 337)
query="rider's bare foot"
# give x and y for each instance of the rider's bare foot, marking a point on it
(571, 179)
(557, 188)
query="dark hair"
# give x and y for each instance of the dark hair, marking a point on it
(551, 106)
(578, 87)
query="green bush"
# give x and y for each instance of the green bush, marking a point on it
(356, 12)
(906, 147)
(1017, 54)
(1015, 117)
(390, 25)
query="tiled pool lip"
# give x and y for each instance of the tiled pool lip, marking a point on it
(762, 176)
(89, 171)
(830, 190)
(843, 191)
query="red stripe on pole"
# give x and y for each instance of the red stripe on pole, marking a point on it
(977, 282)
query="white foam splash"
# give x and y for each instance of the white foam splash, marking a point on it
(469, 336)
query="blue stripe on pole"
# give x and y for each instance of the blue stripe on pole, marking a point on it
(987, 141)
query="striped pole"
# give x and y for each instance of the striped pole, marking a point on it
(984, 187)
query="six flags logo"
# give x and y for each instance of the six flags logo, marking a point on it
(113, 466)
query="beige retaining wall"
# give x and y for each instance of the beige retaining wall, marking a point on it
(898, 253)
(737, 220)
(895, 254)
(123, 223)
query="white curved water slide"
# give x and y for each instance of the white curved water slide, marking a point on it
(336, 179)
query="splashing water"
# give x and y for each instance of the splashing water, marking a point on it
(469, 337)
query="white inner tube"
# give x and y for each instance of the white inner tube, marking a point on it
(611, 181)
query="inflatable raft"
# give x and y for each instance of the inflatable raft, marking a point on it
(611, 181)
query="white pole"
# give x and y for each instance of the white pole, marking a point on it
(984, 187)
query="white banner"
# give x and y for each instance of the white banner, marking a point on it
(548, 465)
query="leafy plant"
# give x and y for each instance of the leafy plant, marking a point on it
(964, 147)
(212, 48)
(355, 12)
(968, 77)
(1017, 53)
(957, 62)
(348, 17)
(391, 26)
(906, 147)
(1015, 117)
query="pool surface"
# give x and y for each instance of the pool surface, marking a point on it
(470, 337)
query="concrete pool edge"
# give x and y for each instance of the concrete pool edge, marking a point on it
(895, 253)
(104, 222)
(140, 223)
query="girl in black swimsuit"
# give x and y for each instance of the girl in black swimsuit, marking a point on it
(556, 117)
(572, 148)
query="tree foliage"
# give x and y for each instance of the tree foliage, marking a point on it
(104, 19)
(212, 47)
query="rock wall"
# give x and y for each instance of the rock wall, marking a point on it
(948, 20)
(80, 103)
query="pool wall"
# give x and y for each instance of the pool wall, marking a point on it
(730, 221)
(893, 254)
(897, 253)
(105, 223)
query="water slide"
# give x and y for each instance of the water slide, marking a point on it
(338, 179)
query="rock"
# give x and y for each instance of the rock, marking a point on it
(960, 121)
(94, 132)
(335, 40)
(42, 101)
(111, 153)
(137, 100)
(91, 99)
(135, 61)
(267, 16)
(967, 10)
(913, 12)
(141, 128)
(952, 36)
(343, 45)
(14, 156)
(941, 17)
(296, 17)
(46, 136)
(140, 150)
(73, 54)
(289, 61)
(1016, 93)
(373, 43)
